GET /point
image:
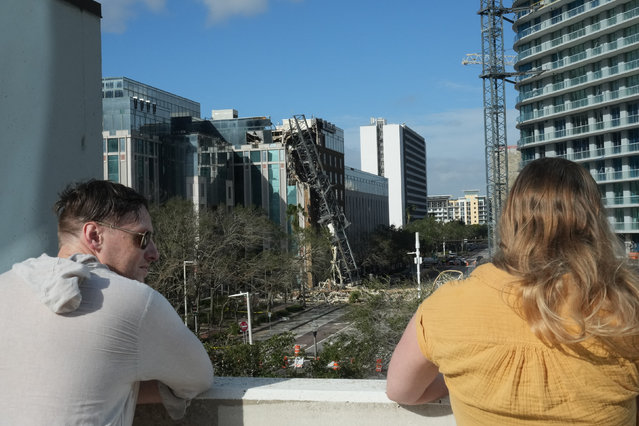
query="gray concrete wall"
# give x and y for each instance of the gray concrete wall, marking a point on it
(50, 116)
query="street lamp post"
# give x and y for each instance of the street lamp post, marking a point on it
(314, 339)
(248, 305)
(186, 262)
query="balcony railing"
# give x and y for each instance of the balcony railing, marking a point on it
(599, 153)
(243, 401)
(596, 51)
(557, 19)
(577, 81)
(625, 226)
(585, 55)
(615, 123)
(577, 104)
(620, 201)
(586, 31)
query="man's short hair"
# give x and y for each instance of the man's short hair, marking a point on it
(98, 200)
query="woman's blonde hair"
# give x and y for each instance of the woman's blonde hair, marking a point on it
(574, 282)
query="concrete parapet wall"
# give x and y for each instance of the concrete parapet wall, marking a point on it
(243, 401)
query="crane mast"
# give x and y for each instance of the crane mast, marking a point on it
(494, 94)
(494, 77)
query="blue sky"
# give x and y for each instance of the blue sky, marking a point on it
(341, 60)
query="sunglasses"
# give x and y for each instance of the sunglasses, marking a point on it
(144, 237)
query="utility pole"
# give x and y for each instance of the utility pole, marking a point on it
(418, 262)
(186, 307)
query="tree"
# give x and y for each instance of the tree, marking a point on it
(175, 228)
(232, 251)
(262, 359)
(313, 247)
(386, 250)
(431, 233)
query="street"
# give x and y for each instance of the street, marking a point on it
(326, 319)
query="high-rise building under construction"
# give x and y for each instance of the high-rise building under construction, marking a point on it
(584, 106)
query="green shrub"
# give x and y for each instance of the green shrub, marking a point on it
(354, 297)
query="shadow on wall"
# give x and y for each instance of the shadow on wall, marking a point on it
(50, 116)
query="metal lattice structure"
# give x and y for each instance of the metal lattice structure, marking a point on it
(496, 147)
(331, 214)
(494, 76)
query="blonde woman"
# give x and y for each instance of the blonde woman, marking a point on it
(546, 334)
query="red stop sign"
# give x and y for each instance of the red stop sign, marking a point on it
(243, 326)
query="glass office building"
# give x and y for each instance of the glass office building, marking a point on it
(136, 128)
(579, 98)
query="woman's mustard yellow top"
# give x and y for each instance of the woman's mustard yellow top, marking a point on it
(499, 373)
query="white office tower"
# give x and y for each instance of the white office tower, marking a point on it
(398, 153)
(584, 106)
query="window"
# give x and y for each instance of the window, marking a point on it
(274, 193)
(560, 149)
(580, 123)
(617, 189)
(560, 128)
(113, 171)
(274, 155)
(113, 145)
(616, 142)
(614, 115)
(632, 81)
(616, 164)
(631, 56)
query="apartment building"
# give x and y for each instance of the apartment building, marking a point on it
(579, 96)
(439, 207)
(470, 209)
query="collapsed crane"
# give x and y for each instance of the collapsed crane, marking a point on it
(309, 170)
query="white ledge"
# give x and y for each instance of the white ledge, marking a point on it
(246, 401)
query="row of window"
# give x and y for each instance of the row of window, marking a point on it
(581, 120)
(583, 145)
(118, 145)
(558, 14)
(590, 48)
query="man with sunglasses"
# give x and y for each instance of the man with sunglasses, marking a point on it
(83, 339)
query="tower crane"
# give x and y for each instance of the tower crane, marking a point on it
(331, 214)
(494, 76)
